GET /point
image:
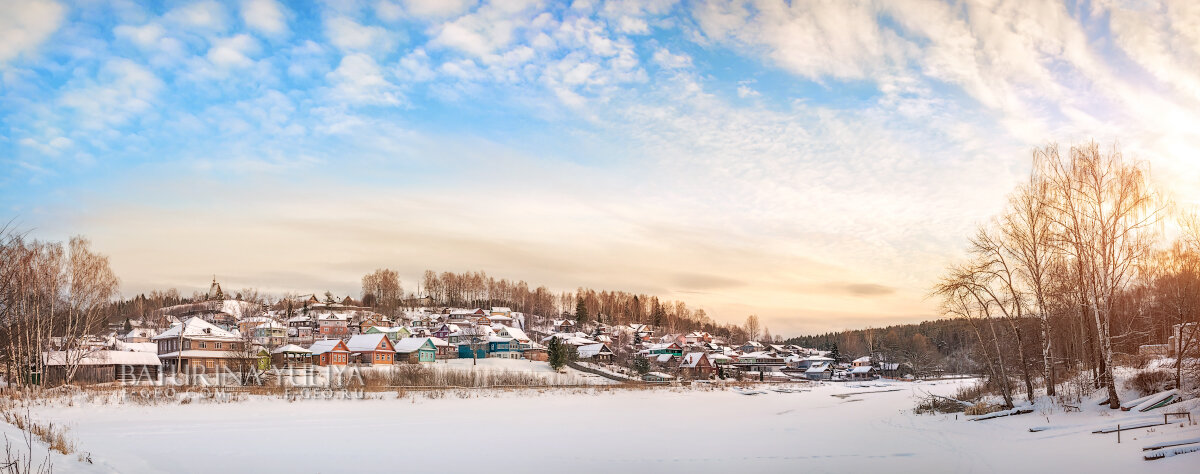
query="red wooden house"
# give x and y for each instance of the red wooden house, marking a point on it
(330, 352)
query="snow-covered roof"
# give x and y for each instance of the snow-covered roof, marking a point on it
(270, 324)
(818, 368)
(592, 350)
(139, 332)
(691, 360)
(411, 344)
(863, 359)
(664, 358)
(196, 327)
(864, 369)
(136, 346)
(365, 342)
(290, 348)
(323, 346)
(515, 333)
(438, 342)
(103, 358)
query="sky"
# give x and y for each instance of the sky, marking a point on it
(816, 163)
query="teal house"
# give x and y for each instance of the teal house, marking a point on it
(415, 349)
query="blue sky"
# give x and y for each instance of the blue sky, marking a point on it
(817, 163)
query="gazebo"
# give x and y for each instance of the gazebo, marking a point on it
(290, 356)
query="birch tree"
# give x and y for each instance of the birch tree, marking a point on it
(1105, 210)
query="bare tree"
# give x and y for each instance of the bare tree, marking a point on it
(383, 289)
(1105, 210)
(752, 327)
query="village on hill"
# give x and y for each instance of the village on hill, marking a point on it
(230, 336)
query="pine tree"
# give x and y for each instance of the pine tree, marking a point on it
(557, 354)
(581, 314)
(834, 354)
(128, 326)
(641, 365)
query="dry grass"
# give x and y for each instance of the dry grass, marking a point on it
(981, 409)
(53, 435)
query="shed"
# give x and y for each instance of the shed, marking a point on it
(103, 366)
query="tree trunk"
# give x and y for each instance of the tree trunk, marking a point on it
(1024, 361)
(1114, 400)
(1047, 354)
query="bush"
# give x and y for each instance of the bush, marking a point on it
(1149, 382)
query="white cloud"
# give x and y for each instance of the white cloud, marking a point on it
(811, 39)
(491, 27)
(233, 51)
(266, 16)
(206, 15)
(745, 91)
(437, 8)
(1164, 39)
(26, 24)
(358, 79)
(51, 147)
(122, 91)
(668, 60)
(630, 16)
(416, 67)
(348, 35)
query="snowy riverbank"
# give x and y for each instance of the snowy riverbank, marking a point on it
(606, 431)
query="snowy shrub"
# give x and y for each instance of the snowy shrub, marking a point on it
(933, 404)
(1149, 382)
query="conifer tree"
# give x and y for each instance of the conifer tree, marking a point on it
(581, 314)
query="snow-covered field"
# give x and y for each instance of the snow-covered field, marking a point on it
(542, 369)
(663, 430)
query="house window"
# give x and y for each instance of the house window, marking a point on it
(203, 345)
(187, 344)
(208, 363)
(218, 345)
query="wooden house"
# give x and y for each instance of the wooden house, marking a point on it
(329, 352)
(444, 350)
(371, 349)
(819, 371)
(416, 349)
(197, 346)
(696, 365)
(672, 348)
(330, 325)
(101, 366)
(862, 372)
(503, 348)
(598, 352)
